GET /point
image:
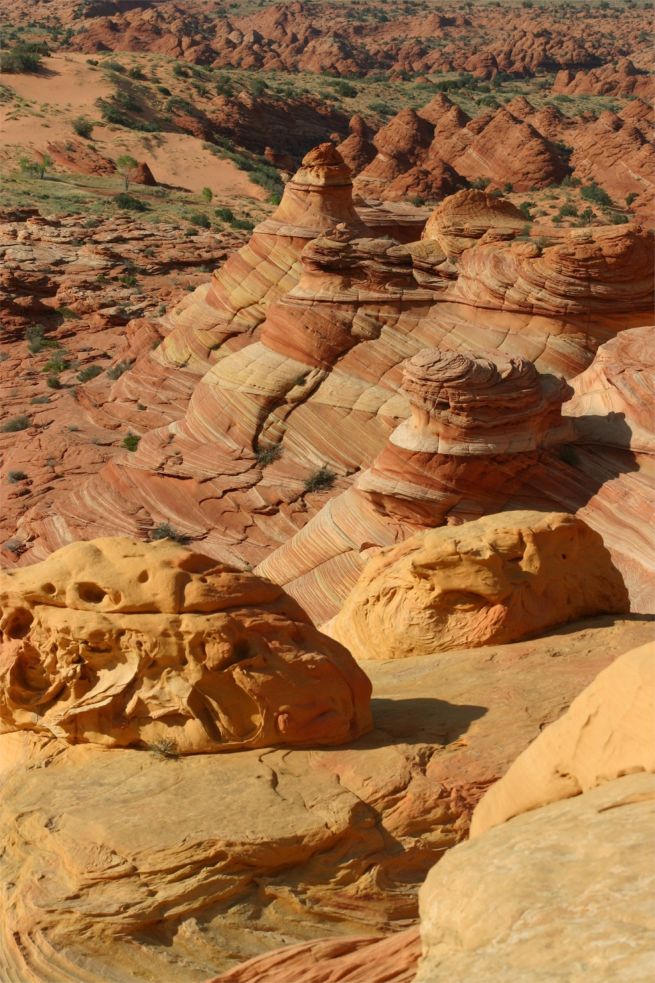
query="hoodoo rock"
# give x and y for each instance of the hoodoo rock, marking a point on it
(478, 427)
(128, 644)
(606, 732)
(497, 579)
(227, 311)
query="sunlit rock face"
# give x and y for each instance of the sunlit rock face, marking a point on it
(497, 579)
(129, 644)
(478, 426)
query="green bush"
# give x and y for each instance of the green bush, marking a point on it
(165, 531)
(131, 441)
(129, 202)
(36, 340)
(13, 477)
(620, 219)
(52, 382)
(629, 198)
(343, 88)
(225, 214)
(17, 423)
(321, 479)
(197, 218)
(89, 372)
(480, 183)
(594, 193)
(568, 209)
(22, 58)
(83, 127)
(58, 363)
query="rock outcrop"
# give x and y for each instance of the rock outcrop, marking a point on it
(559, 893)
(355, 960)
(125, 644)
(462, 219)
(607, 732)
(497, 579)
(125, 864)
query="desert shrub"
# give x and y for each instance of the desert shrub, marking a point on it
(164, 530)
(323, 478)
(524, 209)
(258, 87)
(83, 127)
(114, 66)
(16, 423)
(131, 441)
(116, 371)
(243, 223)
(180, 72)
(266, 455)
(128, 279)
(37, 166)
(40, 399)
(13, 477)
(136, 73)
(129, 203)
(342, 88)
(568, 209)
(619, 218)
(22, 58)
(197, 218)
(480, 183)
(58, 363)
(629, 198)
(165, 747)
(587, 215)
(225, 214)
(89, 372)
(36, 340)
(594, 193)
(52, 382)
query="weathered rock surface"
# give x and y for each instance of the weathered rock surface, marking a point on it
(462, 219)
(497, 579)
(129, 644)
(607, 732)
(355, 960)
(559, 893)
(105, 877)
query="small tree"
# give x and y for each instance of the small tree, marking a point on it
(126, 165)
(37, 167)
(207, 194)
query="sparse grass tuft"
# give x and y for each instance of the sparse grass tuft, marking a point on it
(320, 480)
(17, 423)
(165, 531)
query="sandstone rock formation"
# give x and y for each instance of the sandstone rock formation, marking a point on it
(558, 893)
(125, 644)
(123, 864)
(355, 960)
(607, 732)
(462, 219)
(499, 578)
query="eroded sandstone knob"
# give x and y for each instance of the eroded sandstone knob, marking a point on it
(494, 580)
(463, 218)
(123, 643)
(483, 404)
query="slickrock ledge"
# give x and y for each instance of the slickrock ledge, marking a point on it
(607, 732)
(128, 644)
